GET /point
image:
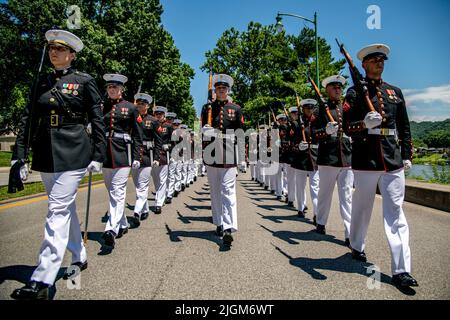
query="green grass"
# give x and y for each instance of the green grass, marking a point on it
(5, 158)
(36, 187)
(430, 159)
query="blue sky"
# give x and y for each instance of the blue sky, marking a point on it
(416, 31)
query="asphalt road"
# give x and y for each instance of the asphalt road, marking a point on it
(276, 255)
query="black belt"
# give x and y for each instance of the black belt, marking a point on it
(56, 120)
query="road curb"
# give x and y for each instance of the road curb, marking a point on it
(37, 195)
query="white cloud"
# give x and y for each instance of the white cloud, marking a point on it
(428, 104)
(428, 95)
(420, 118)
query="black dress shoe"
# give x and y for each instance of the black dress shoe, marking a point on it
(347, 243)
(286, 199)
(314, 221)
(320, 229)
(301, 214)
(192, 182)
(219, 231)
(266, 187)
(32, 291)
(109, 237)
(306, 208)
(169, 200)
(175, 194)
(158, 210)
(136, 220)
(272, 191)
(360, 256)
(70, 272)
(195, 178)
(183, 187)
(122, 231)
(279, 198)
(404, 280)
(144, 215)
(227, 238)
(290, 204)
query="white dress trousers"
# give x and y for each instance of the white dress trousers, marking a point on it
(62, 229)
(291, 184)
(116, 184)
(172, 178)
(328, 176)
(141, 179)
(392, 189)
(300, 179)
(159, 175)
(222, 186)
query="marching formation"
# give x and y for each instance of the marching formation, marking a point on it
(356, 143)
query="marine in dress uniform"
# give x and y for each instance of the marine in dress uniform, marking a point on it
(305, 159)
(141, 176)
(172, 174)
(163, 132)
(184, 156)
(124, 143)
(334, 158)
(291, 184)
(221, 170)
(252, 152)
(177, 137)
(281, 176)
(382, 150)
(66, 101)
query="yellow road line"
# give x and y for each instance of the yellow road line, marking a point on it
(28, 201)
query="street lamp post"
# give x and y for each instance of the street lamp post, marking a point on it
(279, 27)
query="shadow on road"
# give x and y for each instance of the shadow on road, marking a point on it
(206, 235)
(196, 208)
(274, 207)
(344, 263)
(201, 193)
(200, 199)
(259, 199)
(22, 274)
(291, 236)
(280, 219)
(188, 219)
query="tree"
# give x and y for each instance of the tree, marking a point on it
(269, 68)
(119, 36)
(438, 139)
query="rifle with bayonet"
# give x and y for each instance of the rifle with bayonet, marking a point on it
(300, 120)
(322, 101)
(210, 98)
(358, 80)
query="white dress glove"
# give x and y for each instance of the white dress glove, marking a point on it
(207, 130)
(372, 119)
(136, 164)
(94, 166)
(89, 128)
(407, 164)
(23, 170)
(155, 163)
(303, 146)
(332, 128)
